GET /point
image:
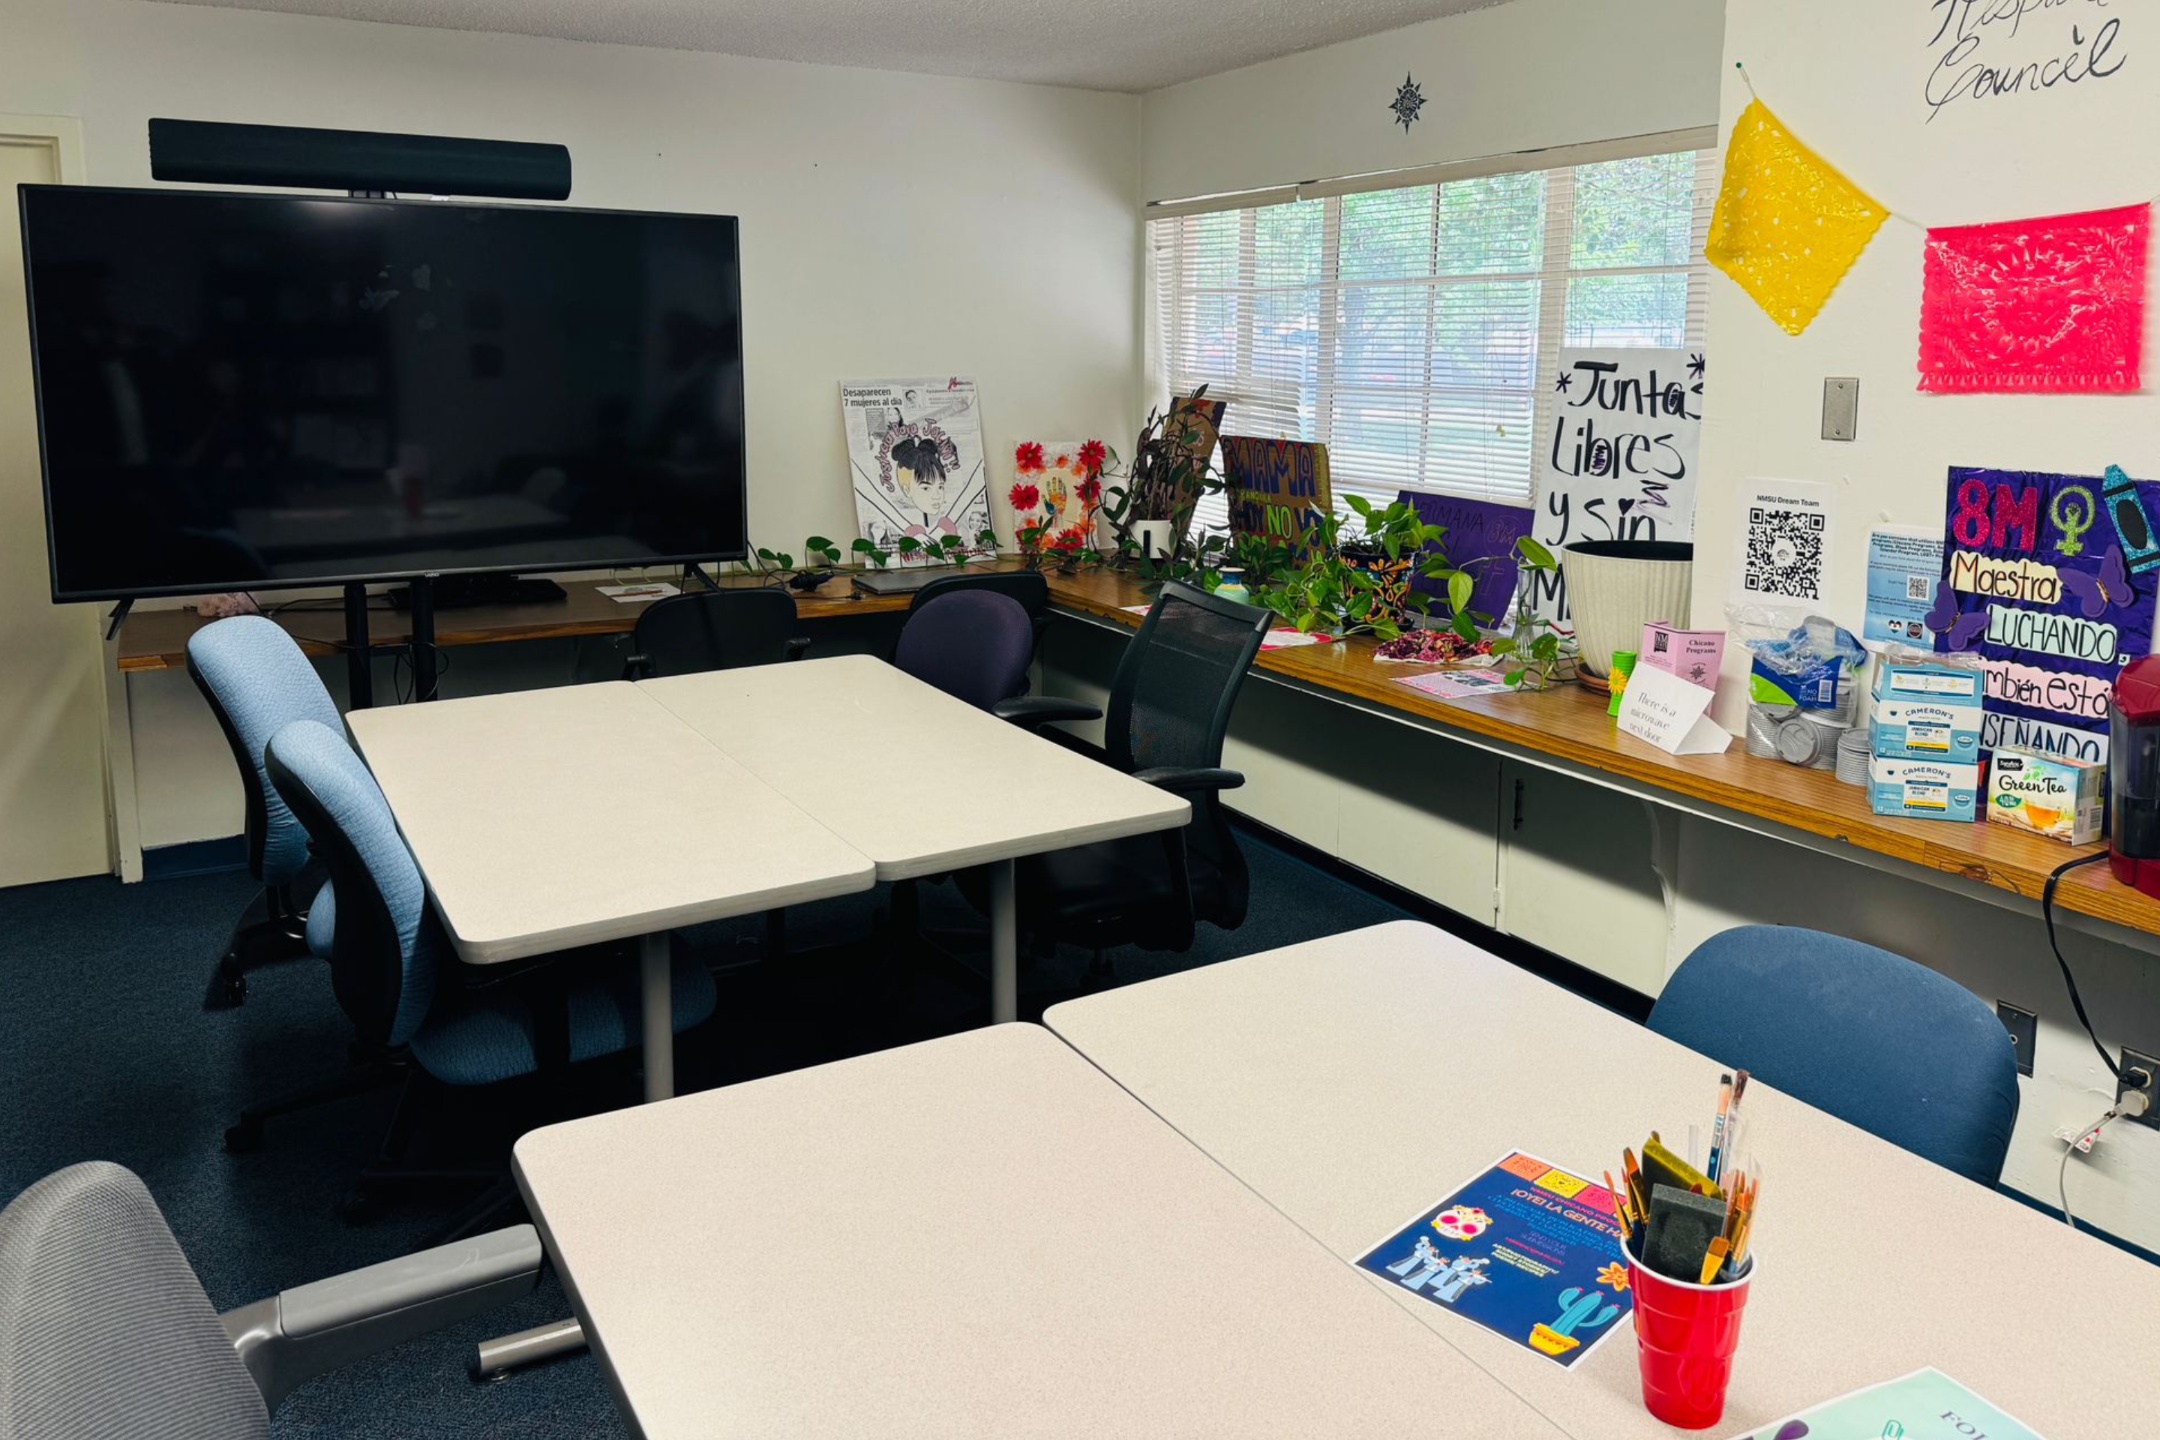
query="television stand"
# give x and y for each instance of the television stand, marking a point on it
(469, 592)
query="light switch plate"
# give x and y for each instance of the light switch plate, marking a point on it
(1841, 408)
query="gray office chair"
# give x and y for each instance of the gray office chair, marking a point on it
(106, 1334)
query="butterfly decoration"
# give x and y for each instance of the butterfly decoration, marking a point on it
(2096, 592)
(1960, 630)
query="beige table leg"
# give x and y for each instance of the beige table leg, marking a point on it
(659, 1016)
(1004, 945)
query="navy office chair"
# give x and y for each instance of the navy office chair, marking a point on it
(1871, 1037)
(257, 682)
(106, 1333)
(1170, 706)
(1026, 586)
(396, 974)
(714, 630)
(975, 645)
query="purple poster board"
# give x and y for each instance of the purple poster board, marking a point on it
(2050, 579)
(1480, 531)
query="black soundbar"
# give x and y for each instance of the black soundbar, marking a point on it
(206, 152)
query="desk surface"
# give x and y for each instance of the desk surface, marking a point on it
(1355, 1079)
(157, 639)
(1569, 724)
(545, 819)
(918, 781)
(980, 1235)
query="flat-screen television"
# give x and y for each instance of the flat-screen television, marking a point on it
(242, 392)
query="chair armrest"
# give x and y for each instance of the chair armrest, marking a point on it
(798, 647)
(1032, 712)
(1186, 779)
(637, 667)
(315, 1328)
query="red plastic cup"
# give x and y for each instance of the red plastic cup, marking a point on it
(1685, 1336)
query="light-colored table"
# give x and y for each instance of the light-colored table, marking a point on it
(537, 819)
(978, 1236)
(1355, 1079)
(916, 780)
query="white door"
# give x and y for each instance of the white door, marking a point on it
(52, 698)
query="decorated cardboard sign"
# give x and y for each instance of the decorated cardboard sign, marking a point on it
(1289, 476)
(2050, 579)
(1481, 540)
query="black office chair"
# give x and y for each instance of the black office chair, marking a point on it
(714, 630)
(1169, 710)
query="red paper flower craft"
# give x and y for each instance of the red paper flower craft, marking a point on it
(1069, 541)
(1025, 497)
(1090, 491)
(1092, 457)
(1029, 457)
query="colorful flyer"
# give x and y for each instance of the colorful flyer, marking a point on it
(1903, 564)
(1526, 1250)
(1459, 684)
(1925, 1405)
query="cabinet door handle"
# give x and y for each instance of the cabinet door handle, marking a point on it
(1518, 804)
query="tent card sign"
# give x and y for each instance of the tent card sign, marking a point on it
(2050, 579)
(916, 450)
(1671, 713)
(1617, 460)
(1526, 1250)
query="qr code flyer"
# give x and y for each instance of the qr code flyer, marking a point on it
(1785, 542)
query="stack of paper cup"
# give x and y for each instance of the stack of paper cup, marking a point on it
(1854, 754)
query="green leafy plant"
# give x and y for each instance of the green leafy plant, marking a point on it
(1535, 644)
(820, 556)
(1318, 574)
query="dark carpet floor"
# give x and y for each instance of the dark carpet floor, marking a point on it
(106, 1053)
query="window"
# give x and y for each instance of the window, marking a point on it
(1415, 329)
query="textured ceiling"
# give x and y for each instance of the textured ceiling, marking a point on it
(1097, 44)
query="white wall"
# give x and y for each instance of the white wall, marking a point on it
(890, 223)
(1520, 76)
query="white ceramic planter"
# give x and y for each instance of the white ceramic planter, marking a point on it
(1615, 587)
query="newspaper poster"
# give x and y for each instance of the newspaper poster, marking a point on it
(915, 450)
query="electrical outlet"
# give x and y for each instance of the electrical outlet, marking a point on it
(2134, 1061)
(2024, 1028)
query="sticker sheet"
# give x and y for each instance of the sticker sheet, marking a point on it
(1526, 1250)
(2050, 579)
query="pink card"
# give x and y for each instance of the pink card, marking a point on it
(1693, 655)
(2053, 304)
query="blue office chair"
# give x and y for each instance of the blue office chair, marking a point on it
(973, 644)
(1871, 1037)
(257, 682)
(396, 975)
(106, 1333)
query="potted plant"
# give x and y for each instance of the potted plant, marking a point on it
(1536, 645)
(1394, 546)
(1172, 468)
(820, 558)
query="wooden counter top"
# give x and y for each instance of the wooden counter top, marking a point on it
(157, 639)
(1569, 723)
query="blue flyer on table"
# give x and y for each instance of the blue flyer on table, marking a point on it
(1527, 1250)
(1925, 1405)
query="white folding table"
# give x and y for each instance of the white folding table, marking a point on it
(538, 821)
(916, 780)
(977, 1236)
(1356, 1079)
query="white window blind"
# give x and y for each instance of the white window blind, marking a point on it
(1415, 329)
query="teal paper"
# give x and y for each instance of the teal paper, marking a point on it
(1925, 1405)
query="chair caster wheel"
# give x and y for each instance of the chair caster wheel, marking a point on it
(228, 987)
(244, 1138)
(359, 1208)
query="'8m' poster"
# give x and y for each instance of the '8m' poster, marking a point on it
(2050, 579)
